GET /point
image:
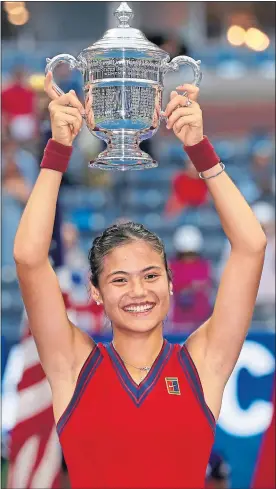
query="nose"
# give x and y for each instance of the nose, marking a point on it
(137, 289)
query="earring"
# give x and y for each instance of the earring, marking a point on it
(171, 292)
(98, 303)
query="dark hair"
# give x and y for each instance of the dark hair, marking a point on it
(118, 235)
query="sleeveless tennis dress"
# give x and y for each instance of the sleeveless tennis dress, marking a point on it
(116, 434)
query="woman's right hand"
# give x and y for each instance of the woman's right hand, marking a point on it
(66, 113)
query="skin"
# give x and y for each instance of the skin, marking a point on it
(62, 347)
(144, 280)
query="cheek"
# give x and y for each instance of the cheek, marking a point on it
(112, 300)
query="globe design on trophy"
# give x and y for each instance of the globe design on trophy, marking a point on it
(123, 84)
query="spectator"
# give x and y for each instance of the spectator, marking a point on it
(188, 190)
(19, 174)
(74, 256)
(218, 472)
(191, 280)
(19, 106)
(74, 281)
(265, 302)
(263, 171)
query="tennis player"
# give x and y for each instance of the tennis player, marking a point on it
(138, 413)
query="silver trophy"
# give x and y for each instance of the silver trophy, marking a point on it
(123, 84)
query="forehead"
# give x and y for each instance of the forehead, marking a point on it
(131, 258)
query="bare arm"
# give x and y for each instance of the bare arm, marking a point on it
(55, 336)
(224, 333)
(216, 345)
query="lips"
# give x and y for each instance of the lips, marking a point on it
(142, 308)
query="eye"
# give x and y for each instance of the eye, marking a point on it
(119, 280)
(151, 276)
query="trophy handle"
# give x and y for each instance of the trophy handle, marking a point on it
(174, 65)
(63, 58)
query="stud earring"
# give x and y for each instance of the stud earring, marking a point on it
(98, 303)
(171, 292)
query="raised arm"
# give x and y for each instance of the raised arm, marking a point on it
(215, 346)
(55, 336)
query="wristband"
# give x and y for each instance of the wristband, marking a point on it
(56, 156)
(202, 155)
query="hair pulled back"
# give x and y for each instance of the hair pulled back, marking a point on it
(118, 235)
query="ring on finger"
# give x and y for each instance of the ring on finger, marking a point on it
(188, 101)
(187, 104)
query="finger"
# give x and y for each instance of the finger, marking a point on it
(177, 113)
(192, 90)
(48, 86)
(175, 101)
(71, 111)
(184, 121)
(63, 119)
(56, 110)
(70, 98)
(173, 94)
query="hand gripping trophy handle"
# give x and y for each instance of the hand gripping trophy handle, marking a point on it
(63, 58)
(174, 65)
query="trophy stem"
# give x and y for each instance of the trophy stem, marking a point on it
(123, 153)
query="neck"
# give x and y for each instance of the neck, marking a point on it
(140, 349)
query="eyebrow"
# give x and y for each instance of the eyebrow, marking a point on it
(147, 269)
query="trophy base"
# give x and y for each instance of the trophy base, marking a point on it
(137, 161)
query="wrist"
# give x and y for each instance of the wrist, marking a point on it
(63, 143)
(202, 155)
(194, 141)
(56, 156)
(212, 171)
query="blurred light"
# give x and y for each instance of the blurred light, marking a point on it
(19, 19)
(36, 81)
(236, 35)
(16, 11)
(256, 39)
(12, 6)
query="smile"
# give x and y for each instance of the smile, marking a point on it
(139, 309)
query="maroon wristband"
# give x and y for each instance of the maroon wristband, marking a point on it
(202, 155)
(56, 156)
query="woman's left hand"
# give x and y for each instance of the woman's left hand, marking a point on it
(186, 121)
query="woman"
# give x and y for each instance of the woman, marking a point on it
(139, 412)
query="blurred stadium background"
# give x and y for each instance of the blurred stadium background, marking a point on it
(236, 43)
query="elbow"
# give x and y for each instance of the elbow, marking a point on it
(22, 259)
(260, 244)
(25, 257)
(255, 246)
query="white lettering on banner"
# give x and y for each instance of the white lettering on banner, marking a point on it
(254, 420)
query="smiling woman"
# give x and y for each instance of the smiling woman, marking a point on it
(110, 401)
(130, 276)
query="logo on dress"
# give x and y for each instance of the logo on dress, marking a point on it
(172, 385)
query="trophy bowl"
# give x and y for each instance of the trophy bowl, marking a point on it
(123, 77)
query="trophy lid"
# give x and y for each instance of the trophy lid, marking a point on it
(125, 37)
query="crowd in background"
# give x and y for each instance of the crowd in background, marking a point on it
(26, 129)
(170, 200)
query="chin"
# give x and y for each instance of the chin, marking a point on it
(140, 324)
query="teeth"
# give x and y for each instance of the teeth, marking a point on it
(138, 308)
